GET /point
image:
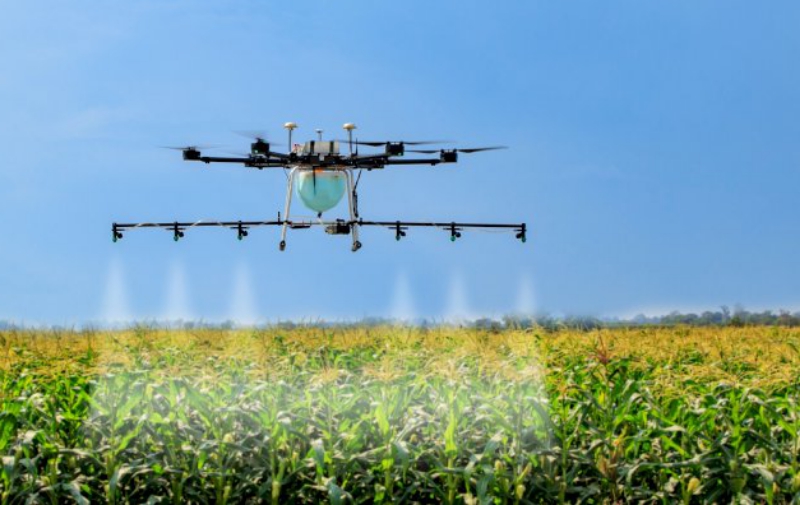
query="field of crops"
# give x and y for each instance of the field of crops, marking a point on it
(400, 415)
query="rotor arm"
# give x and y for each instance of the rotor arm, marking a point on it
(445, 156)
(221, 159)
(417, 161)
(368, 161)
(280, 156)
(382, 160)
(251, 161)
(260, 160)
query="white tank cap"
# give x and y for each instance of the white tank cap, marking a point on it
(349, 126)
(290, 125)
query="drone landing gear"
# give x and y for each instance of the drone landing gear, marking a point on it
(351, 202)
(289, 187)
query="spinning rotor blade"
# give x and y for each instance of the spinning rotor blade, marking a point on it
(365, 143)
(257, 135)
(378, 143)
(465, 150)
(251, 134)
(479, 149)
(188, 148)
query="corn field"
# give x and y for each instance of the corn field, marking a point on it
(400, 415)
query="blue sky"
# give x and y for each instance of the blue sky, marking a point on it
(654, 156)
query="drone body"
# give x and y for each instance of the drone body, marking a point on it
(322, 176)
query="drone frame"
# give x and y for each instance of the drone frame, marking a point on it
(327, 160)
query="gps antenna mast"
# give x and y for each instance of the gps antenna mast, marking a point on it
(350, 127)
(290, 126)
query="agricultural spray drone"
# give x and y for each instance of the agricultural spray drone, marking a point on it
(322, 176)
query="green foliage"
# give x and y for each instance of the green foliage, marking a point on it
(456, 418)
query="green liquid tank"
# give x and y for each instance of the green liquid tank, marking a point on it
(321, 191)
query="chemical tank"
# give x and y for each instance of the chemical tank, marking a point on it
(321, 190)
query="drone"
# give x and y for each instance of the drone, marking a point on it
(321, 176)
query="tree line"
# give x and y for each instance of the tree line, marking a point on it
(738, 317)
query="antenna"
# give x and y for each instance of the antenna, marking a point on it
(290, 126)
(350, 127)
(319, 134)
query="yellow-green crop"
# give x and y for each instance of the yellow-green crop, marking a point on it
(395, 414)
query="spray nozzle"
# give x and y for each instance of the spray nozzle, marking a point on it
(241, 231)
(521, 235)
(399, 231)
(177, 232)
(454, 233)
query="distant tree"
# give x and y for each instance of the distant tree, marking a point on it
(707, 318)
(486, 323)
(726, 313)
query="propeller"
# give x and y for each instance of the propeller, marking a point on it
(464, 150)
(252, 134)
(377, 143)
(261, 146)
(479, 149)
(257, 135)
(190, 148)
